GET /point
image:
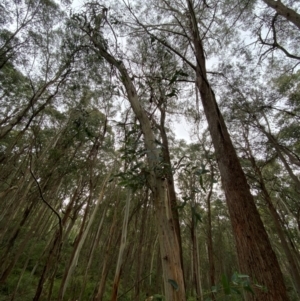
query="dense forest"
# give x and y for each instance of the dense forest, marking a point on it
(149, 150)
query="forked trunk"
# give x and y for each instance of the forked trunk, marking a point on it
(168, 240)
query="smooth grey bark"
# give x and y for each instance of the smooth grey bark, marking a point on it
(168, 240)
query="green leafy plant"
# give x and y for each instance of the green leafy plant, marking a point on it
(233, 288)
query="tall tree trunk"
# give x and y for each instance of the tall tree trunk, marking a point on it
(117, 277)
(55, 248)
(169, 245)
(210, 252)
(255, 254)
(195, 267)
(19, 280)
(170, 179)
(105, 268)
(76, 250)
(54, 253)
(80, 240)
(196, 261)
(22, 247)
(95, 243)
(276, 219)
(12, 240)
(140, 249)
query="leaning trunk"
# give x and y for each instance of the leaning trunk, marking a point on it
(255, 254)
(169, 245)
(276, 219)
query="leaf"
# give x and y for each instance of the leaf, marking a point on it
(226, 285)
(235, 278)
(173, 79)
(263, 288)
(185, 199)
(242, 276)
(201, 183)
(123, 91)
(196, 215)
(142, 152)
(181, 73)
(121, 175)
(137, 165)
(214, 289)
(174, 284)
(173, 93)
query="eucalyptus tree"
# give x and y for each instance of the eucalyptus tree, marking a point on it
(31, 37)
(205, 221)
(274, 113)
(278, 37)
(288, 12)
(62, 150)
(91, 24)
(271, 31)
(293, 265)
(196, 179)
(256, 257)
(268, 119)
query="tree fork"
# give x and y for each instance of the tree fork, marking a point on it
(169, 246)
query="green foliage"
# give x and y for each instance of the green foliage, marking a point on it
(233, 288)
(174, 284)
(26, 287)
(195, 215)
(176, 75)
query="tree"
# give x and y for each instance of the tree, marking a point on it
(283, 10)
(250, 235)
(169, 244)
